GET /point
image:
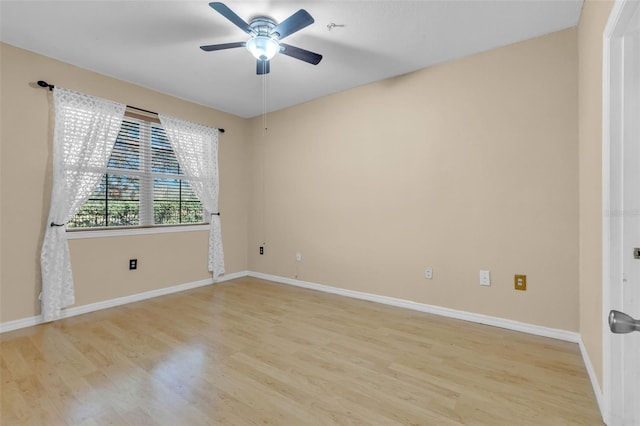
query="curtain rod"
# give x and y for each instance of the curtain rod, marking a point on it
(44, 84)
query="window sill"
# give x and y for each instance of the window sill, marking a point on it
(121, 232)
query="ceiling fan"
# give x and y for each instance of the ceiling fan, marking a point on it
(266, 35)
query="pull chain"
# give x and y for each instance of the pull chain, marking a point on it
(264, 153)
(264, 102)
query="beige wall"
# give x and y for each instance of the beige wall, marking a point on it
(469, 165)
(592, 22)
(100, 265)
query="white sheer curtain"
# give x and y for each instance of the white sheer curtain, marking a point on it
(196, 148)
(86, 129)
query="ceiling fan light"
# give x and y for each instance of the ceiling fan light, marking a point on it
(263, 47)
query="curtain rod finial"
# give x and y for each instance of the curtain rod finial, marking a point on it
(44, 84)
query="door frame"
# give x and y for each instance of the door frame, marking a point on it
(612, 193)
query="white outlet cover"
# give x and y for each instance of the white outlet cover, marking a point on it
(485, 278)
(298, 256)
(428, 273)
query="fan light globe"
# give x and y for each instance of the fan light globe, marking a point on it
(263, 47)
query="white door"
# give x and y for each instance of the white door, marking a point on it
(622, 214)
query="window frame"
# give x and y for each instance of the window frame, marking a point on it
(105, 232)
(146, 193)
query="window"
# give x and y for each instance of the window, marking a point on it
(143, 185)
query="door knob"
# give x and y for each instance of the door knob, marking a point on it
(621, 323)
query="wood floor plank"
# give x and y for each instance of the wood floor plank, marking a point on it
(250, 352)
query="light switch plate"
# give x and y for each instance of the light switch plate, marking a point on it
(485, 278)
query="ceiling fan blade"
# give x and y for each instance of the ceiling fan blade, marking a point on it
(293, 23)
(231, 15)
(223, 46)
(302, 54)
(263, 67)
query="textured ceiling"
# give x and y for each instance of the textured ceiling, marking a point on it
(155, 44)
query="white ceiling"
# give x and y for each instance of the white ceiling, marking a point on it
(155, 44)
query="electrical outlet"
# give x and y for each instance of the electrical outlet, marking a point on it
(428, 273)
(261, 250)
(485, 278)
(520, 282)
(298, 256)
(133, 264)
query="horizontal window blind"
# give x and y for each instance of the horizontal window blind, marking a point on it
(144, 184)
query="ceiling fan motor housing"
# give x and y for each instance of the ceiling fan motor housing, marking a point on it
(261, 25)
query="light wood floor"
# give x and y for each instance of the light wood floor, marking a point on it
(251, 352)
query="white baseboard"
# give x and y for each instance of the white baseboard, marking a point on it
(83, 309)
(555, 333)
(20, 323)
(592, 375)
